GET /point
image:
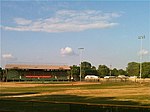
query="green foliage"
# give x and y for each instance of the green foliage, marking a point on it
(133, 69)
(146, 70)
(114, 72)
(86, 65)
(103, 70)
(88, 69)
(75, 72)
(2, 74)
(122, 72)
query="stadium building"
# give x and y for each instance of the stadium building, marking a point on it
(17, 72)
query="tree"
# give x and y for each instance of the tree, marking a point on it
(1, 75)
(75, 72)
(86, 65)
(103, 70)
(114, 72)
(122, 72)
(146, 70)
(93, 70)
(88, 69)
(133, 69)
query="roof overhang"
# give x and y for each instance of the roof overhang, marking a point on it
(40, 67)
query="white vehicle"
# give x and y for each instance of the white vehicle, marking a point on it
(122, 76)
(91, 77)
(133, 77)
(107, 77)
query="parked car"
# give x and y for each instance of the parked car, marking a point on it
(107, 77)
(91, 77)
(122, 76)
(134, 77)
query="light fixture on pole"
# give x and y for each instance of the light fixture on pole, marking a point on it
(141, 53)
(80, 62)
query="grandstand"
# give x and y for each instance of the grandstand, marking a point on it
(20, 72)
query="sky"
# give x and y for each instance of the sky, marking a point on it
(51, 32)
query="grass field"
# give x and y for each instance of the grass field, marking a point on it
(114, 93)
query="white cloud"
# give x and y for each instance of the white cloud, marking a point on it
(7, 56)
(143, 52)
(22, 21)
(67, 21)
(67, 51)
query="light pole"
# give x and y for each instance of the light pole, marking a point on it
(80, 49)
(141, 53)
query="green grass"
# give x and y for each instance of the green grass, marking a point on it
(20, 106)
(84, 93)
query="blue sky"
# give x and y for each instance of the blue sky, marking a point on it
(50, 32)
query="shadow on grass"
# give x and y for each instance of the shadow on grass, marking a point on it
(84, 99)
(69, 103)
(79, 99)
(15, 94)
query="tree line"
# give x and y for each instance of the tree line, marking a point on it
(132, 69)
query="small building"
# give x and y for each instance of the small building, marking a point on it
(20, 72)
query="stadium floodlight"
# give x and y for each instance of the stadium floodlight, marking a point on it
(81, 49)
(141, 53)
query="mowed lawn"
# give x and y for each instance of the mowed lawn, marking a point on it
(116, 93)
(109, 93)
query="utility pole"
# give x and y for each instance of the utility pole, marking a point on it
(80, 49)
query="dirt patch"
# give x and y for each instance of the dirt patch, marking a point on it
(20, 84)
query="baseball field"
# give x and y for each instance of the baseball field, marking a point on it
(56, 96)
